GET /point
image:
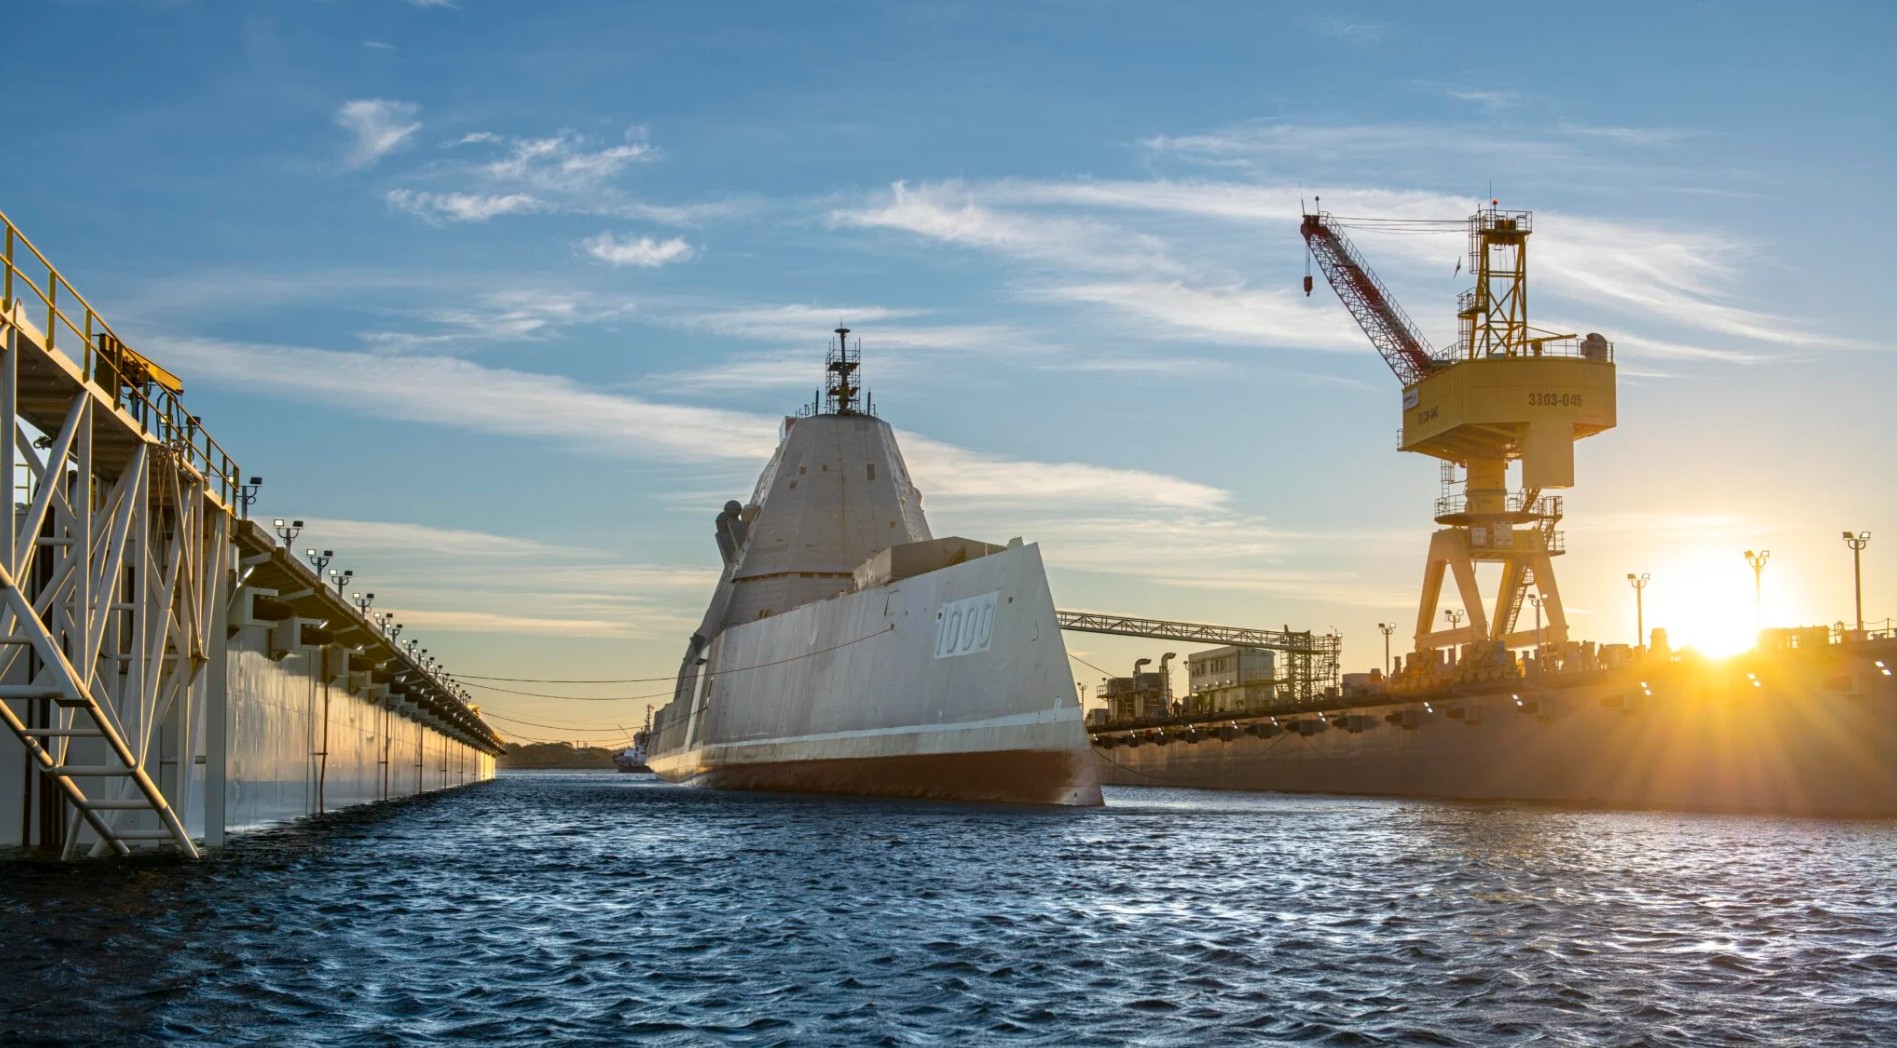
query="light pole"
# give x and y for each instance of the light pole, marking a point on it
(319, 561)
(288, 531)
(340, 579)
(362, 601)
(1639, 583)
(1387, 628)
(247, 494)
(1757, 560)
(1857, 543)
(1455, 618)
(1535, 599)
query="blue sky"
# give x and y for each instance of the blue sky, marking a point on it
(506, 299)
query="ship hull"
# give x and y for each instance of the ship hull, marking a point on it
(1812, 737)
(879, 693)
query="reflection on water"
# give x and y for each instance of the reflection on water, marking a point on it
(598, 908)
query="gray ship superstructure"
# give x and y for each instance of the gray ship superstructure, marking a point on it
(846, 650)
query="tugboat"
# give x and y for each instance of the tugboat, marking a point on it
(633, 757)
(847, 650)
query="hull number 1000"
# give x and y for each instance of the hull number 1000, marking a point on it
(964, 627)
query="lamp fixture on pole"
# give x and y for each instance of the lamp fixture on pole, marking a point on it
(1639, 583)
(1536, 599)
(247, 494)
(1857, 543)
(1757, 561)
(287, 531)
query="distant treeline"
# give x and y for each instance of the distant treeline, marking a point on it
(554, 755)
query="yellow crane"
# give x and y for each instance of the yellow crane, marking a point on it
(1504, 392)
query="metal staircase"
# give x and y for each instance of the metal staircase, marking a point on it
(116, 561)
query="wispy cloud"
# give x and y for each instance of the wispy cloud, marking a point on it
(1349, 31)
(949, 212)
(1103, 244)
(513, 624)
(567, 162)
(1234, 314)
(485, 318)
(881, 328)
(421, 539)
(378, 126)
(458, 393)
(644, 252)
(432, 3)
(793, 323)
(1489, 100)
(1633, 136)
(944, 471)
(463, 207)
(565, 173)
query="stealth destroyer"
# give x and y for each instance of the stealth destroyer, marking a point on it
(847, 650)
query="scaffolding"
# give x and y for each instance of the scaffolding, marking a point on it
(1311, 659)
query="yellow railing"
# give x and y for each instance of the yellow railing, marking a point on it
(148, 394)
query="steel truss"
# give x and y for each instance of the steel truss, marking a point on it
(1311, 659)
(116, 564)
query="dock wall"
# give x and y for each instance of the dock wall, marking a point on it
(1809, 736)
(300, 745)
(168, 669)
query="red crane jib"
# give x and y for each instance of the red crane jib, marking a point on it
(1388, 328)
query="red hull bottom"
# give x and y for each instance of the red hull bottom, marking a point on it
(1010, 777)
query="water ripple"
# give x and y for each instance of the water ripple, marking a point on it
(551, 908)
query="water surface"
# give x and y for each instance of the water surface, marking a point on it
(594, 908)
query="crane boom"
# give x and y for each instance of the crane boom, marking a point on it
(1390, 329)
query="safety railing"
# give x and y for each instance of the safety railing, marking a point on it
(34, 291)
(1518, 505)
(1593, 347)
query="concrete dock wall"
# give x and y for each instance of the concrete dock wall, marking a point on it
(1805, 739)
(299, 745)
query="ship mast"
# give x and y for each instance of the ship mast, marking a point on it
(843, 395)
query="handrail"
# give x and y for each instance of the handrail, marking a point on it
(145, 392)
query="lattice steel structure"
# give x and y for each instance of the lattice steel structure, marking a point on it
(128, 580)
(118, 569)
(1311, 659)
(1503, 393)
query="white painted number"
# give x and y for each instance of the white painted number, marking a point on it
(965, 627)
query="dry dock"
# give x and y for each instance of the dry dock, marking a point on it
(1806, 731)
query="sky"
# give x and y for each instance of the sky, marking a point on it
(506, 300)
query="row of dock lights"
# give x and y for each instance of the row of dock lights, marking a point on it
(288, 530)
(1756, 560)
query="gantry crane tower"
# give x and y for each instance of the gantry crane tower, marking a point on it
(1503, 392)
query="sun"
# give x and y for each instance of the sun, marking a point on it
(1705, 602)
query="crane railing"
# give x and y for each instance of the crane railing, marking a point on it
(1390, 329)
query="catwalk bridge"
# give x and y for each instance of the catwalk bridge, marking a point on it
(167, 667)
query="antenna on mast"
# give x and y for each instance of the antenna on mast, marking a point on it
(841, 392)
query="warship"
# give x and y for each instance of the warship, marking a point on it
(846, 650)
